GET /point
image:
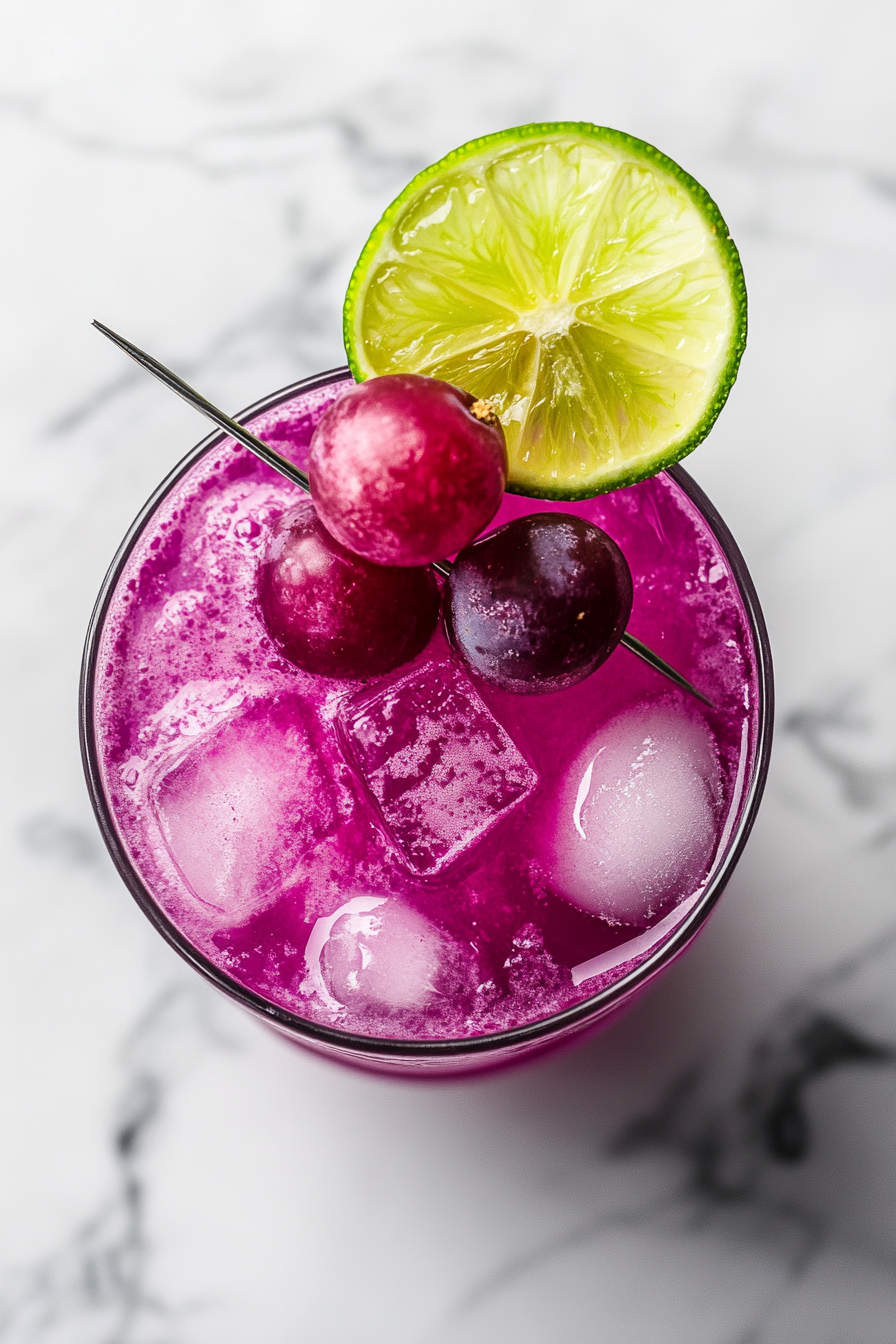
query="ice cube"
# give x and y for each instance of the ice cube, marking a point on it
(241, 807)
(439, 766)
(376, 952)
(636, 824)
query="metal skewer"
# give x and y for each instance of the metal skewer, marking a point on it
(298, 477)
(647, 655)
(199, 403)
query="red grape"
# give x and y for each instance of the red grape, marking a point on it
(405, 470)
(539, 603)
(338, 615)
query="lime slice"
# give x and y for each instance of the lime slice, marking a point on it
(574, 277)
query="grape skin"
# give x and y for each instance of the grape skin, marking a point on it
(540, 603)
(405, 470)
(334, 614)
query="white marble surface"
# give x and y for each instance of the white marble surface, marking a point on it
(720, 1168)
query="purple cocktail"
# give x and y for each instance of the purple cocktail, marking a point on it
(418, 871)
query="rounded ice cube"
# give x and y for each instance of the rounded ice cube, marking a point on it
(378, 952)
(636, 823)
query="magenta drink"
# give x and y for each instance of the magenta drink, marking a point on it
(417, 871)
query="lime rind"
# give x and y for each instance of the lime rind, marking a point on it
(648, 371)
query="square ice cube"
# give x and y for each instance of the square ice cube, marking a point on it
(437, 763)
(242, 806)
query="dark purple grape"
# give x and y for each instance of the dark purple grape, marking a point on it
(338, 615)
(539, 603)
(405, 470)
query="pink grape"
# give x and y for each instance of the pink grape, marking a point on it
(404, 471)
(539, 603)
(338, 615)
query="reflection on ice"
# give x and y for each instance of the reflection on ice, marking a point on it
(636, 823)
(243, 805)
(378, 952)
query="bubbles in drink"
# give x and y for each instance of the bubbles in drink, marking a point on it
(636, 823)
(243, 805)
(438, 765)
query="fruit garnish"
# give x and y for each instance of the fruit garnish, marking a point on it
(336, 614)
(405, 469)
(539, 603)
(294, 474)
(577, 280)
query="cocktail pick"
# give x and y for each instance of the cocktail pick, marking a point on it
(298, 477)
(647, 655)
(205, 407)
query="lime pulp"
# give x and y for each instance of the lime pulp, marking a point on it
(574, 277)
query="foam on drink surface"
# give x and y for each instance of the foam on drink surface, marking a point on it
(418, 855)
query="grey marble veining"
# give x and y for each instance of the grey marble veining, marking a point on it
(719, 1167)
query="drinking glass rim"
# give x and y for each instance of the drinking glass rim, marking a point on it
(294, 1025)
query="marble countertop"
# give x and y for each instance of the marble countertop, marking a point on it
(719, 1167)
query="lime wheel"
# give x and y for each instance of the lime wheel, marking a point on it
(574, 277)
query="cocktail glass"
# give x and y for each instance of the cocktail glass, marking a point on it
(694, 601)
